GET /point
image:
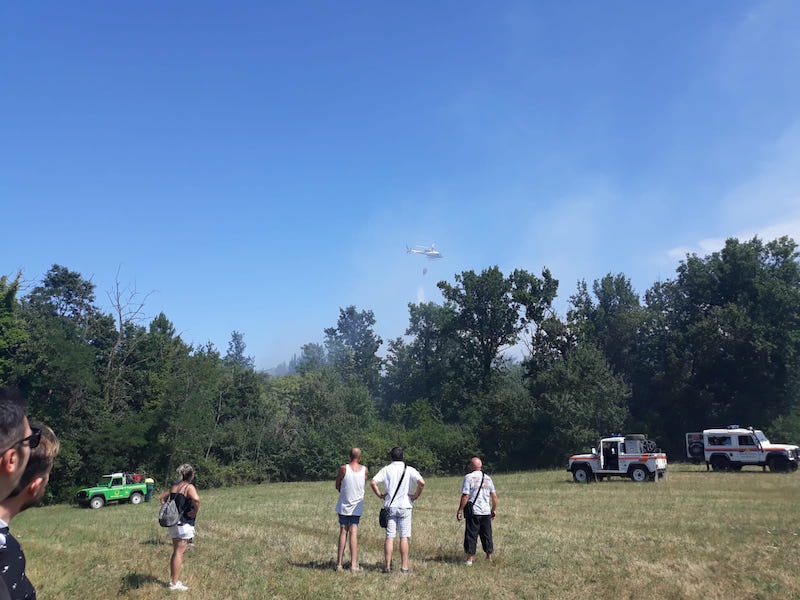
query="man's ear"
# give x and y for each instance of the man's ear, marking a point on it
(9, 461)
(34, 486)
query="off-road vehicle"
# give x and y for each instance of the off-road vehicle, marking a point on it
(735, 447)
(631, 455)
(117, 487)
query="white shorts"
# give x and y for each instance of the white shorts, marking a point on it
(184, 532)
(399, 520)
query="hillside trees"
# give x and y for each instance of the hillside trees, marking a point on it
(718, 344)
(59, 363)
(573, 397)
(493, 370)
(727, 333)
(447, 381)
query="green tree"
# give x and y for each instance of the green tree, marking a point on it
(487, 317)
(613, 320)
(12, 330)
(312, 357)
(67, 340)
(430, 366)
(721, 342)
(492, 310)
(352, 347)
(577, 399)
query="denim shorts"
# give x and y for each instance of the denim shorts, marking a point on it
(182, 531)
(345, 520)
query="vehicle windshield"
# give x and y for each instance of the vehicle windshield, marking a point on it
(761, 437)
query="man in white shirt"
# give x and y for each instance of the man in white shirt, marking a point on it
(397, 479)
(350, 483)
(478, 488)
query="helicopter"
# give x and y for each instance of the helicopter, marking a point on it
(429, 251)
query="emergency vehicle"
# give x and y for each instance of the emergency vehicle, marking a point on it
(631, 455)
(735, 447)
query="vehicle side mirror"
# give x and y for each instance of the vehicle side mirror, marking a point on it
(594, 450)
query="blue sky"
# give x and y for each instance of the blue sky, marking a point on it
(255, 166)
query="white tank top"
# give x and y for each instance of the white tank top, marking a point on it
(351, 492)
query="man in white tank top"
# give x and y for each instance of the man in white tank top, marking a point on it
(350, 483)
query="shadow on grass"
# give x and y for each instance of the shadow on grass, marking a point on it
(329, 565)
(453, 558)
(133, 581)
(156, 542)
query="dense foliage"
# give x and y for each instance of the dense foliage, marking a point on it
(719, 343)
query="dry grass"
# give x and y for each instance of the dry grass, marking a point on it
(695, 535)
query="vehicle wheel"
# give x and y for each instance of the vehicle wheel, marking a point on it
(778, 464)
(97, 502)
(582, 475)
(720, 463)
(696, 451)
(136, 498)
(640, 474)
(735, 467)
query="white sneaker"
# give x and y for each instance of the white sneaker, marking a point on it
(179, 587)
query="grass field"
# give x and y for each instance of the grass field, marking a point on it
(694, 535)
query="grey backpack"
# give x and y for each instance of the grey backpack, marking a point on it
(170, 514)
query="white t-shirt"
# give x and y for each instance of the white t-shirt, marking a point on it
(390, 475)
(351, 492)
(482, 500)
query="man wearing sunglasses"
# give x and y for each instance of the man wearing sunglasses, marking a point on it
(16, 440)
(29, 492)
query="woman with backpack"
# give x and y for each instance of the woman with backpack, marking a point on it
(187, 500)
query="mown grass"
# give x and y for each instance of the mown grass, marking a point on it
(694, 535)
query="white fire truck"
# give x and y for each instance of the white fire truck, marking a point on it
(735, 447)
(630, 455)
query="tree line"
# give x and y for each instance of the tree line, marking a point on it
(719, 343)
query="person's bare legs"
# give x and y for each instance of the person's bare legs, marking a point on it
(354, 547)
(342, 544)
(404, 554)
(388, 548)
(176, 561)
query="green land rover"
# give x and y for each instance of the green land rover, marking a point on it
(117, 487)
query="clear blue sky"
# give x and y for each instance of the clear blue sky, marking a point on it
(255, 166)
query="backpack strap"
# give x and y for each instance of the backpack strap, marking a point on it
(478, 491)
(398, 485)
